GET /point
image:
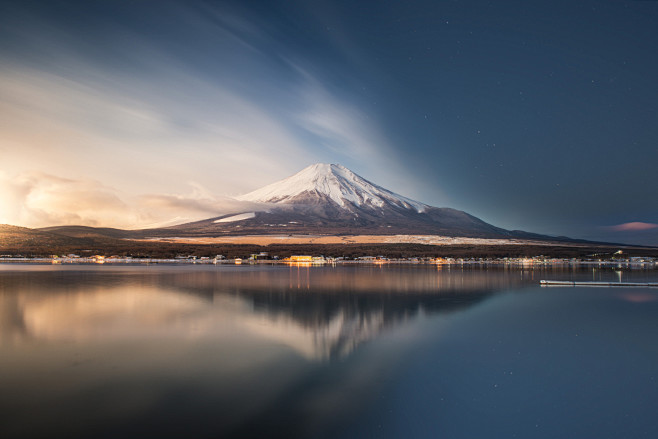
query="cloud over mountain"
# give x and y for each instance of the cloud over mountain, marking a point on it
(36, 199)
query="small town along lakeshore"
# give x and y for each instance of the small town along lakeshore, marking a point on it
(615, 261)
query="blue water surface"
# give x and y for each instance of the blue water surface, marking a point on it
(277, 351)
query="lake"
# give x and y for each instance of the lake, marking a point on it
(189, 351)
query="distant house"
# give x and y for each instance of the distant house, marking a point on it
(260, 256)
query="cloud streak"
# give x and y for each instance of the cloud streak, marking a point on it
(36, 199)
(633, 227)
(39, 199)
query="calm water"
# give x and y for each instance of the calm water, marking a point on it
(263, 351)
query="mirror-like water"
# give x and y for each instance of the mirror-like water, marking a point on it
(276, 351)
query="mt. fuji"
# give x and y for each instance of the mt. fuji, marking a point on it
(329, 199)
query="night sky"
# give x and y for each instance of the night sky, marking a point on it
(540, 116)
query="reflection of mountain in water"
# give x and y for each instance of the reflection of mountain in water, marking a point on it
(327, 313)
(335, 326)
(320, 312)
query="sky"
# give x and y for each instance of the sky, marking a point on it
(536, 116)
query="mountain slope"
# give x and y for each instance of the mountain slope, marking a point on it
(22, 240)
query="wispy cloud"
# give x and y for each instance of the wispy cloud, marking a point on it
(39, 199)
(156, 139)
(632, 227)
(35, 199)
(228, 142)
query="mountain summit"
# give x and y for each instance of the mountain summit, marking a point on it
(331, 183)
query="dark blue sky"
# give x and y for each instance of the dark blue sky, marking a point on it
(540, 116)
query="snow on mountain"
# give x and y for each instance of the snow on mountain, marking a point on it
(239, 217)
(332, 181)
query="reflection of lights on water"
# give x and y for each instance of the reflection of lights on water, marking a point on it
(314, 262)
(298, 265)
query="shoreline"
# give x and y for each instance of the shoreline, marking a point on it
(509, 262)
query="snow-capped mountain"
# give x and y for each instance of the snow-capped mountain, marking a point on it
(331, 182)
(328, 199)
